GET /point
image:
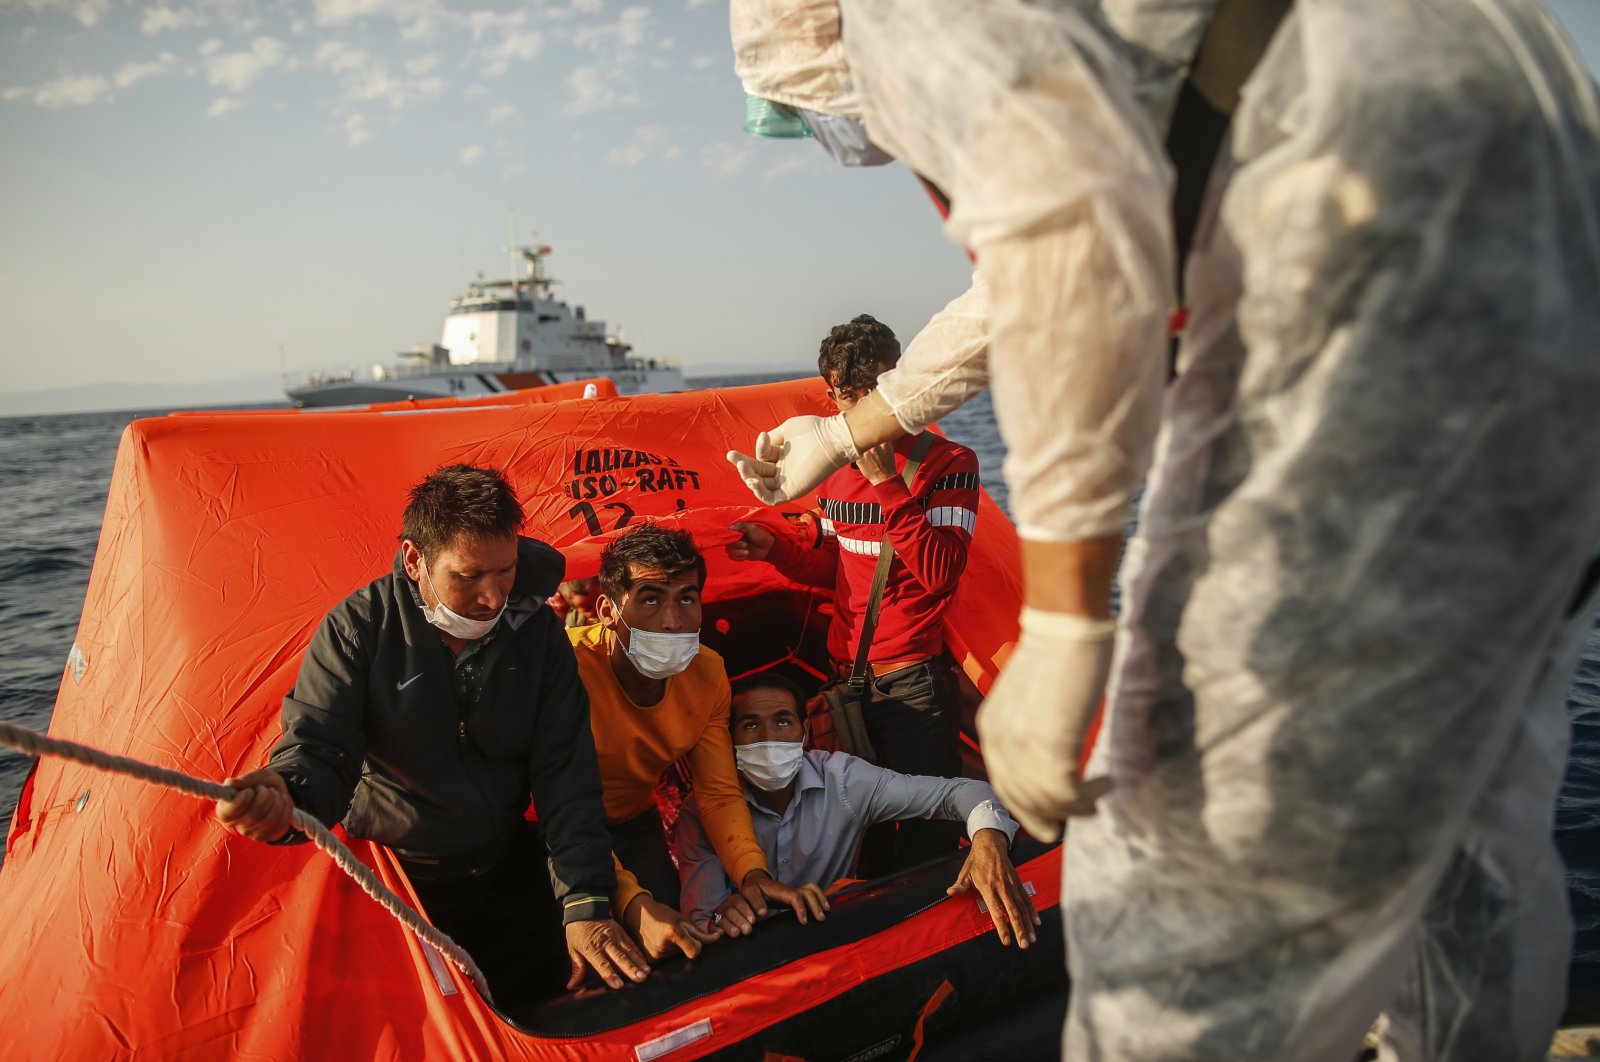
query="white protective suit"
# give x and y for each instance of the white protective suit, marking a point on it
(1351, 612)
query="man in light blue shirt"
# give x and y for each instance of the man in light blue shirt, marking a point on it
(810, 810)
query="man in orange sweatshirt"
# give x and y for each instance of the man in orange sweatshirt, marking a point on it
(657, 695)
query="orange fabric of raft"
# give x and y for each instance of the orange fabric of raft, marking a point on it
(604, 387)
(135, 925)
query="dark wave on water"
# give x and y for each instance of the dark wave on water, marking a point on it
(55, 471)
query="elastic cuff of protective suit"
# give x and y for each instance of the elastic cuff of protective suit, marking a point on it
(843, 441)
(1078, 532)
(1067, 625)
(881, 400)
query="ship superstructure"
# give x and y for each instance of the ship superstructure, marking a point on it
(501, 335)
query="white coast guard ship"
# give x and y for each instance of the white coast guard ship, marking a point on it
(502, 335)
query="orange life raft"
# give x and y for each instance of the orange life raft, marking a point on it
(137, 927)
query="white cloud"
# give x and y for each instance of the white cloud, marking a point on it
(510, 41)
(589, 6)
(469, 155)
(133, 73)
(516, 169)
(237, 71)
(421, 64)
(68, 90)
(630, 25)
(156, 20)
(337, 12)
(501, 112)
(726, 159)
(223, 105)
(356, 130)
(482, 22)
(420, 28)
(523, 44)
(417, 19)
(340, 57)
(474, 92)
(89, 12)
(210, 47)
(697, 3)
(635, 151)
(626, 32)
(86, 12)
(364, 79)
(800, 162)
(590, 91)
(703, 62)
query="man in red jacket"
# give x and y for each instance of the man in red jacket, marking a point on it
(909, 708)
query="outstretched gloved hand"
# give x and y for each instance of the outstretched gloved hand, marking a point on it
(791, 459)
(1033, 723)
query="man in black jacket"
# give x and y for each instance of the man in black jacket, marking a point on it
(430, 705)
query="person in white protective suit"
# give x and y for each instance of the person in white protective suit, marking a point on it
(1364, 559)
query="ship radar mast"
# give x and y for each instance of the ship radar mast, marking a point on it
(511, 252)
(533, 276)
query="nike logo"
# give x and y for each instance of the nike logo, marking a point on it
(407, 682)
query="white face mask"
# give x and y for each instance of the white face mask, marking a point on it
(454, 623)
(770, 765)
(657, 655)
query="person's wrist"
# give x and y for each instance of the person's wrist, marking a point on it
(873, 420)
(991, 837)
(838, 431)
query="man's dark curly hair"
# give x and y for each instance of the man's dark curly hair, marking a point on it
(853, 355)
(769, 680)
(458, 500)
(648, 545)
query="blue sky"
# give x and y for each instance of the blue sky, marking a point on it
(190, 184)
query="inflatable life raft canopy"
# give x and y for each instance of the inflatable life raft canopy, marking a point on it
(136, 926)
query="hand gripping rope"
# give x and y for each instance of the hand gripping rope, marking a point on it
(33, 743)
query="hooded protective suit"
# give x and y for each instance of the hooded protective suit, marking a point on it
(1356, 596)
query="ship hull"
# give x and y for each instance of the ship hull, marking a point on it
(465, 383)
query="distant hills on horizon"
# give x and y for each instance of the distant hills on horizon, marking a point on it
(263, 389)
(116, 397)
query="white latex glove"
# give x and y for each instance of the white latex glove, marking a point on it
(1033, 722)
(791, 459)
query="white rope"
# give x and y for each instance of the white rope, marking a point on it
(33, 743)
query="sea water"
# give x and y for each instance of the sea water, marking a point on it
(55, 471)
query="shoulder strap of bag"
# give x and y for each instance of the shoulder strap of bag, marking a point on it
(1234, 41)
(880, 578)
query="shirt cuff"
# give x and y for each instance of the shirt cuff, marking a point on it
(785, 552)
(892, 493)
(989, 815)
(628, 890)
(741, 869)
(584, 907)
